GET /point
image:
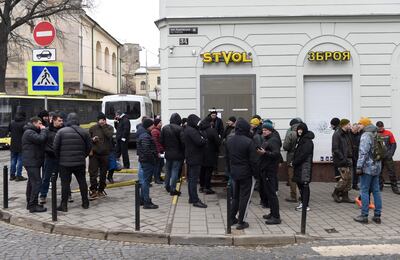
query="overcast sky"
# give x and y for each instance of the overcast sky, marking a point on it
(131, 21)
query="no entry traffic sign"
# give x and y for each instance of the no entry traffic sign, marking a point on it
(44, 33)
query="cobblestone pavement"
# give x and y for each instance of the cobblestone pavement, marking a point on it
(18, 243)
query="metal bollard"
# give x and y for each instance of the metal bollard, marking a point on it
(54, 196)
(5, 187)
(306, 195)
(137, 206)
(228, 209)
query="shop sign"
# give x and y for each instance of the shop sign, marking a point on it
(184, 30)
(227, 57)
(329, 55)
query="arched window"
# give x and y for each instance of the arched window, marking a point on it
(114, 64)
(99, 57)
(143, 85)
(107, 60)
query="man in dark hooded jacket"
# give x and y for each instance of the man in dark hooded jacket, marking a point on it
(33, 143)
(123, 126)
(16, 130)
(45, 117)
(71, 146)
(194, 154)
(173, 142)
(243, 160)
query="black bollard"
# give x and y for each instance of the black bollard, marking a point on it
(5, 187)
(228, 209)
(306, 196)
(54, 196)
(137, 206)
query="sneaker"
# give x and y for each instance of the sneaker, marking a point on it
(358, 202)
(242, 226)
(300, 207)
(20, 178)
(37, 209)
(175, 193)
(12, 177)
(85, 205)
(42, 200)
(101, 194)
(267, 216)
(273, 221)
(377, 219)
(199, 204)
(209, 191)
(159, 182)
(361, 219)
(93, 195)
(62, 208)
(70, 199)
(150, 206)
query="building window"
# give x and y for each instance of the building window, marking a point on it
(107, 60)
(99, 64)
(114, 64)
(142, 85)
(158, 80)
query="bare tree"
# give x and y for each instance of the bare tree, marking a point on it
(16, 13)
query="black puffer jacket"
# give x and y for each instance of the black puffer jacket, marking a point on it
(342, 148)
(271, 159)
(242, 152)
(49, 150)
(303, 156)
(172, 139)
(194, 142)
(72, 144)
(123, 127)
(33, 143)
(146, 148)
(16, 130)
(211, 150)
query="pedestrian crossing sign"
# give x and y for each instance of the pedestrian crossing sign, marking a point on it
(45, 78)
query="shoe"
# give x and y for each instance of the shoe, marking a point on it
(168, 189)
(159, 182)
(234, 221)
(355, 187)
(336, 197)
(175, 193)
(290, 199)
(347, 200)
(101, 194)
(42, 200)
(70, 199)
(37, 209)
(242, 226)
(209, 191)
(300, 207)
(358, 202)
(150, 206)
(110, 180)
(150, 185)
(62, 208)
(199, 204)
(371, 206)
(85, 205)
(269, 216)
(20, 178)
(201, 190)
(12, 177)
(377, 219)
(361, 219)
(93, 195)
(273, 221)
(395, 189)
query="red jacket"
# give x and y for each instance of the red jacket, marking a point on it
(156, 134)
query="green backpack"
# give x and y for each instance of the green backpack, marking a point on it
(379, 149)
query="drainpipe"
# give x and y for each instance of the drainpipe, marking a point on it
(93, 55)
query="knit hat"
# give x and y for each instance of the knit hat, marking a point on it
(295, 121)
(101, 116)
(157, 121)
(344, 122)
(268, 125)
(255, 121)
(365, 121)
(232, 119)
(147, 123)
(335, 121)
(43, 113)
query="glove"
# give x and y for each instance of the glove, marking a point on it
(123, 139)
(359, 172)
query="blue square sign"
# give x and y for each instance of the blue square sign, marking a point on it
(45, 78)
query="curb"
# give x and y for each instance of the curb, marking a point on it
(154, 238)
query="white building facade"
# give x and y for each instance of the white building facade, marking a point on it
(283, 59)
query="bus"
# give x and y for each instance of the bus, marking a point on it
(135, 107)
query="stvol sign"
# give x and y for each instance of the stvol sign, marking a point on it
(227, 57)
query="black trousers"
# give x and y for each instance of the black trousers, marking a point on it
(205, 177)
(261, 190)
(242, 192)
(304, 193)
(98, 165)
(122, 149)
(270, 179)
(33, 186)
(66, 176)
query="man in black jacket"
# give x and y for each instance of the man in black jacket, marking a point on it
(16, 130)
(172, 140)
(217, 123)
(342, 151)
(147, 153)
(270, 158)
(33, 143)
(71, 146)
(194, 153)
(50, 160)
(243, 160)
(123, 126)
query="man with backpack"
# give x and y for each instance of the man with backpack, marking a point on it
(369, 167)
(387, 162)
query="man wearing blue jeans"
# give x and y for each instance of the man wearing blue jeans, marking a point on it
(369, 168)
(171, 178)
(16, 130)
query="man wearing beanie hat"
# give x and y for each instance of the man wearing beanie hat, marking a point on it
(342, 151)
(230, 126)
(101, 135)
(123, 127)
(156, 134)
(148, 158)
(44, 115)
(289, 145)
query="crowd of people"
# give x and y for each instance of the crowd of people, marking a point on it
(45, 145)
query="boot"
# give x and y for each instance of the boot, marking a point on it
(62, 207)
(336, 197)
(346, 199)
(395, 188)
